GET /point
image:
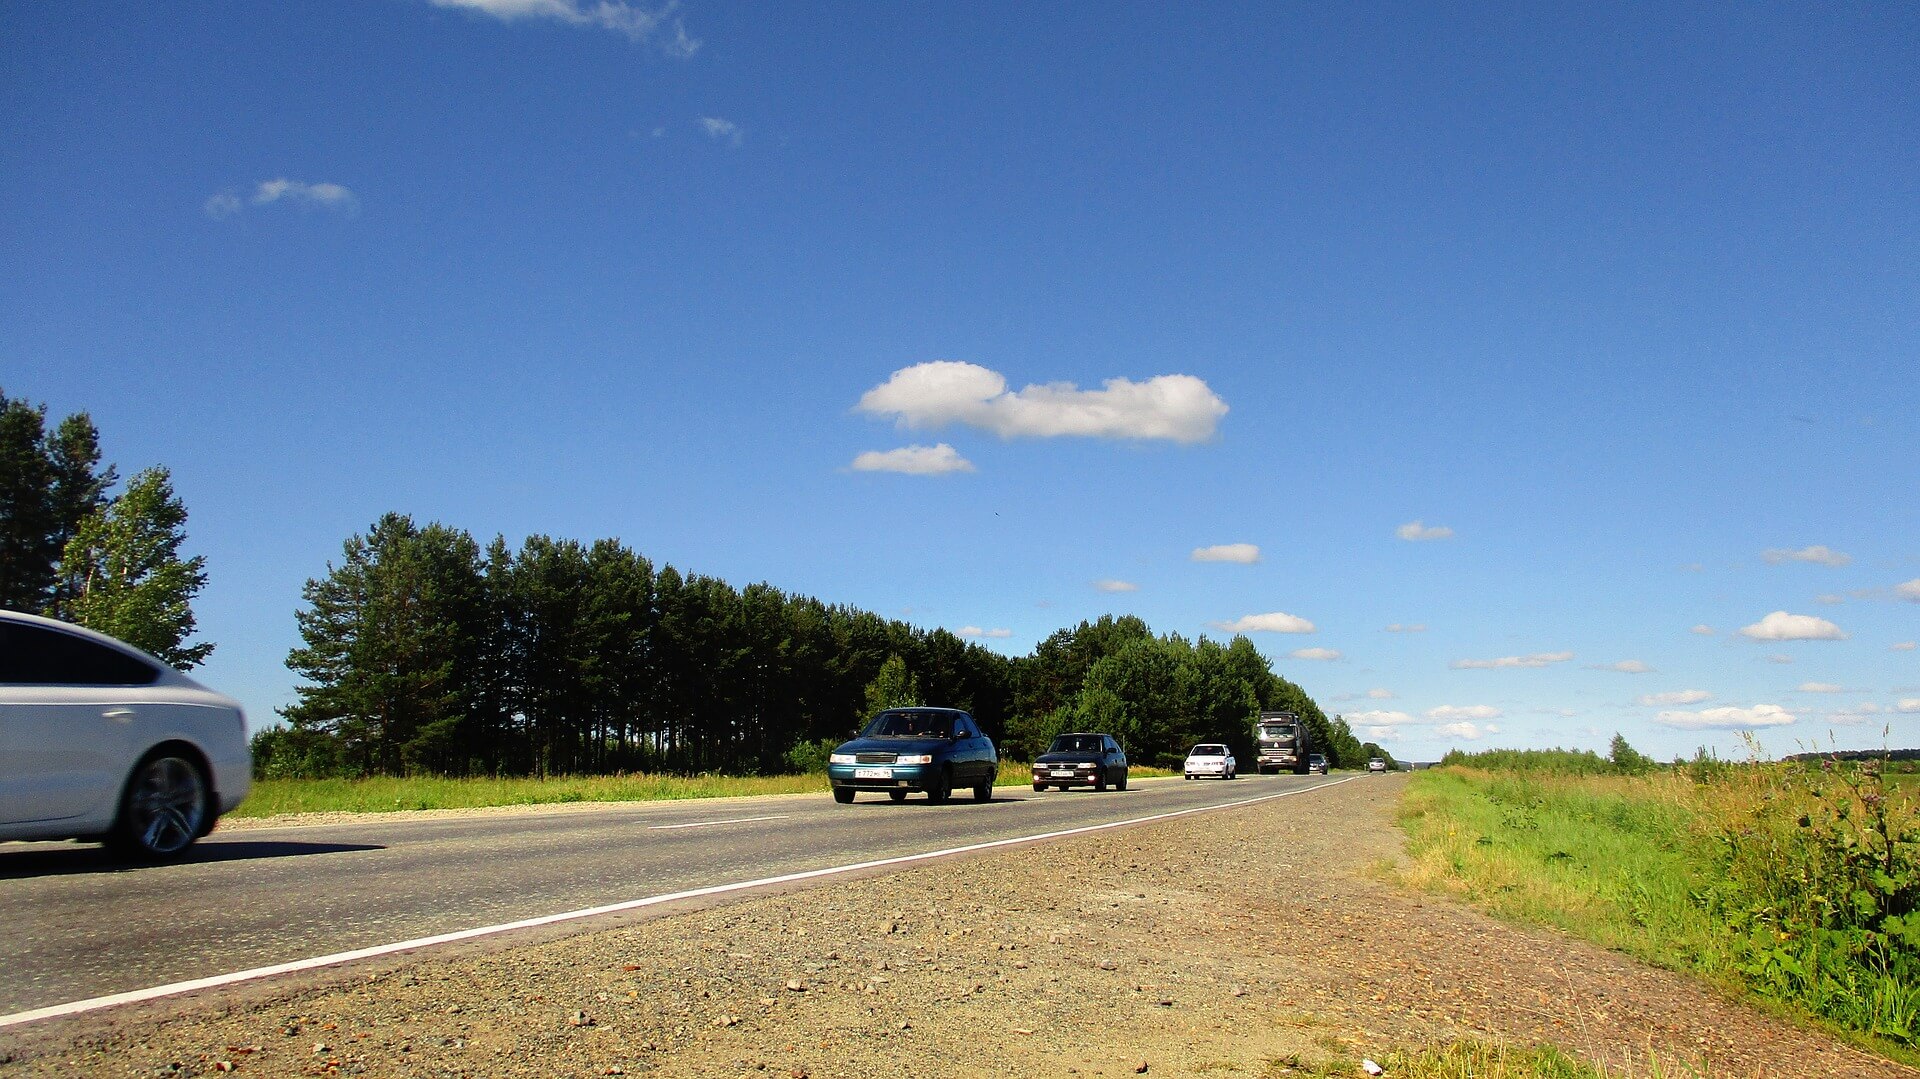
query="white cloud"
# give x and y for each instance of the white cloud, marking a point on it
(1727, 719)
(1908, 590)
(1703, 630)
(1407, 627)
(225, 204)
(1111, 585)
(1817, 554)
(1380, 694)
(321, 196)
(1781, 626)
(1468, 731)
(1179, 408)
(1417, 531)
(638, 24)
(1274, 622)
(1821, 687)
(1538, 659)
(914, 461)
(976, 631)
(722, 130)
(1244, 553)
(1448, 712)
(1380, 719)
(1678, 696)
(1315, 653)
(1908, 704)
(1378, 734)
(1625, 666)
(1831, 599)
(1903, 646)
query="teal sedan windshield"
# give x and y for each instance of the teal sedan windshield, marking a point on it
(909, 725)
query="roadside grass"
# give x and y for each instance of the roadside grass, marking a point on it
(395, 794)
(1790, 884)
(1596, 856)
(1475, 1059)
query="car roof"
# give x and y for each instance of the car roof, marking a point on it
(1083, 734)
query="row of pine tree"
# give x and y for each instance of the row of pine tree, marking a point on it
(424, 653)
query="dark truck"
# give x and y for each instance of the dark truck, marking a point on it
(1282, 743)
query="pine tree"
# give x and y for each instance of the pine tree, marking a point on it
(122, 573)
(47, 488)
(393, 650)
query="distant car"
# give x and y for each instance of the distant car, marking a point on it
(1210, 759)
(935, 750)
(1084, 759)
(101, 742)
(1376, 764)
(1316, 763)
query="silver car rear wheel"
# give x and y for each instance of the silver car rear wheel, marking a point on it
(164, 809)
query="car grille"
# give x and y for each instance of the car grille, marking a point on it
(874, 758)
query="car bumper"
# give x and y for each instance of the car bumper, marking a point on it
(1075, 778)
(869, 777)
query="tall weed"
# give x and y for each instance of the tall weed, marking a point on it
(1821, 890)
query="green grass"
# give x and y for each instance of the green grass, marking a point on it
(1475, 1059)
(1677, 872)
(391, 794)
(1596, 856)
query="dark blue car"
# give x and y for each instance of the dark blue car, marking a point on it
(935, 750)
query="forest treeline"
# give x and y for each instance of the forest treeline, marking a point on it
(425, 653)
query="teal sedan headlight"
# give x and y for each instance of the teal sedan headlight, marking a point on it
(840, 758)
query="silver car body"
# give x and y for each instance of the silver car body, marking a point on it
(68, 748)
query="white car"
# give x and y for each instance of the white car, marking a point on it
(1210, 759)
(1376, 764)
(100, 741)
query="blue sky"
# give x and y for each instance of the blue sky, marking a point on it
(1583, 340)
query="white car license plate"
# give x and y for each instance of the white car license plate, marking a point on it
(1063, 773)
(873, 773)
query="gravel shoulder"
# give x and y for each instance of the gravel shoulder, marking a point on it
(1164, 945)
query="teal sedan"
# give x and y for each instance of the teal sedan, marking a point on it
(902, 750)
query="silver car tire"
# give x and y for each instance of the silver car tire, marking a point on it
(164, 810)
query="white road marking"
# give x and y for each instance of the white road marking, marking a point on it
(136, 996)
(711, 823)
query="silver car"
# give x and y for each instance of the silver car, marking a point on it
(100, 741)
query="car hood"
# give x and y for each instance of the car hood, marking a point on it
(895, 745)
(1077, 756)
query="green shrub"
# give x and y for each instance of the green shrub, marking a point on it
(810, 758)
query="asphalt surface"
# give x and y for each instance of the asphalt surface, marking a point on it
(80, 926)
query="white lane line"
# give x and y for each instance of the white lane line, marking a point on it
(136, 996)
(711, 823)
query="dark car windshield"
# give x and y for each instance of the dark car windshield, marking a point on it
(1208, 751)
(1075, 743)
(909, 725)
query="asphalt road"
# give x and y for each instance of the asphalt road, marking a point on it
(79, 926)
